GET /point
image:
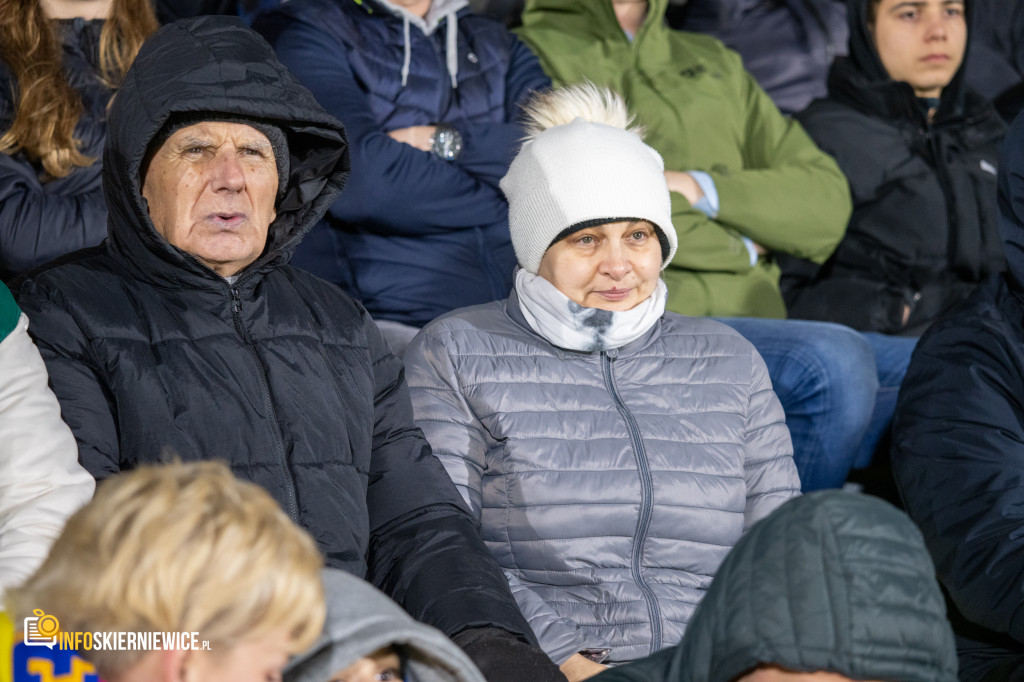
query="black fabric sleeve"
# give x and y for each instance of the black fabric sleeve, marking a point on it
(425, 547)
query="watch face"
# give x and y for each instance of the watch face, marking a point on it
(447, 143)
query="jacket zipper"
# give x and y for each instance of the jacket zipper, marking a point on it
(261, 376)
(646, 501)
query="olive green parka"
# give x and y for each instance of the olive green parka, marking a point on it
(703, 111)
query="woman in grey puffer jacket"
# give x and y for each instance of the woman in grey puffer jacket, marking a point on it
(614, 452)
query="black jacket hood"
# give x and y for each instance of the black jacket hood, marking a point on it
(861, 80)
(1011, 203)
(217, 65)
(830, 581)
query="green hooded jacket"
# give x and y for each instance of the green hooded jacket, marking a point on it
(704, 112)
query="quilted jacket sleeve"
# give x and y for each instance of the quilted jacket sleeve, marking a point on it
(396, 189)
(41, 481)
(790, 196)
(86, 404)
(768, 465)
(460, 442)
(425, 547)
(958, 458)
(491, 146)
(39, 223)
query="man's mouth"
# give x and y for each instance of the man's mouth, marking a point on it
(227, 220)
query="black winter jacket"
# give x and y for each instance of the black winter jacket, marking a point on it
(153, 355)
(958, 448)
(831, 581)
(923, 230)
(40, 220)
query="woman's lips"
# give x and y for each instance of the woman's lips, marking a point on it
(935, 58)
(615, 294)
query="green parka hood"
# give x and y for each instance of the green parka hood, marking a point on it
(831, 581)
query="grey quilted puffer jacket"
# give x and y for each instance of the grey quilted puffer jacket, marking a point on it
(610, 485)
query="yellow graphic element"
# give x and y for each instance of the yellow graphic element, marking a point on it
(48, 625)
(6, 648)
(41, 629)
(44, 668)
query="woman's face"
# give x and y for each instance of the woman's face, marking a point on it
(614, 266)
(921, 42)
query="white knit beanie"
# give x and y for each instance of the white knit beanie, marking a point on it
(583, 173)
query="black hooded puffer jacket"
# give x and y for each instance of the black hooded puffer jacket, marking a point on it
(958, 448)
(152, 354)
(923, 231)
(832, 581)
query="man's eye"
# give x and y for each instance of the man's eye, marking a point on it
(586, 240)
(391, 674)
(639, 235)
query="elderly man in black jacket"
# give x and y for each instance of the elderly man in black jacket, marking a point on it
(958, 448)
(187, 334)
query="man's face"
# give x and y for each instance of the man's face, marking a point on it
(211, 188)
(771, 673)
(921, 42)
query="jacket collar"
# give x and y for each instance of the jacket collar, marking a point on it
(514, 311)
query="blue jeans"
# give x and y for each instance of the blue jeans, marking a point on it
(892, 355)
(837, 386)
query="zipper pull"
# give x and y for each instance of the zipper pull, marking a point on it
(236, 301)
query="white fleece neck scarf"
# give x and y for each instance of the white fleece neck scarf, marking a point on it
(569, 325)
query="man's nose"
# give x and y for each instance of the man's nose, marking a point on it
(935, 26)
(227, 172)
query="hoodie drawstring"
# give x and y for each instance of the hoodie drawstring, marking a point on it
(408, 50)
(452, 48)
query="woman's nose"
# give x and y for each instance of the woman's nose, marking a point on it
(616, 263)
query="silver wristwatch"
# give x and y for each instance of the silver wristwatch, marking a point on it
(446, 142)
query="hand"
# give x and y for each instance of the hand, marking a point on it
(683, 183)
(579, 667)
(761, 251)
(415, 136)
(503, 657)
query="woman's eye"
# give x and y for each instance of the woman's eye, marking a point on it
(391, 674)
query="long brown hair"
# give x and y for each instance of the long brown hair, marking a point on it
(47, 108)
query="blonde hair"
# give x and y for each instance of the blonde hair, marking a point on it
(179, 548)
(549, 108)
(46, 107)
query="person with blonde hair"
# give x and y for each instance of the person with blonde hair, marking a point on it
(183, 548)
(61, 61)
(613, 452)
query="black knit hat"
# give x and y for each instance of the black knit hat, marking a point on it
(278, 140)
